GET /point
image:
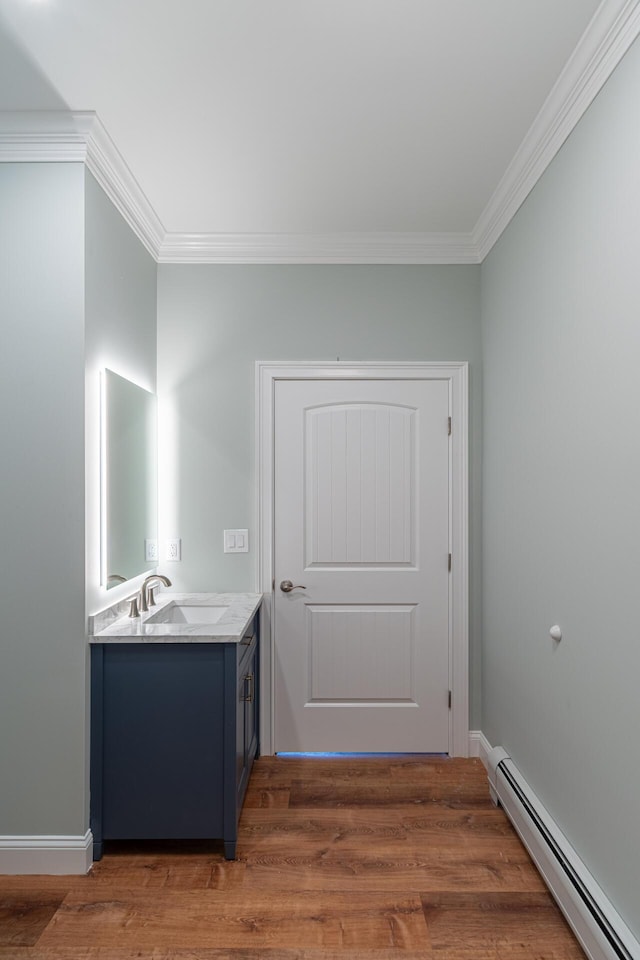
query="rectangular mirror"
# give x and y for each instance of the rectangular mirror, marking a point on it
(129, 479)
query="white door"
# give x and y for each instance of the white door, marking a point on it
(361, 529)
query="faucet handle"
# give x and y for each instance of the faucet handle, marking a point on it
(133, 607)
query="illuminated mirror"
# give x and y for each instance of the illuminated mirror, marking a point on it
(129, 479)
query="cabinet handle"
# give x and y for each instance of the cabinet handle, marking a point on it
(248, 697)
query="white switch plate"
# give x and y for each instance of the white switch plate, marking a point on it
(236, 541)
(173, 550)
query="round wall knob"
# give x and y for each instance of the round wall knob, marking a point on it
(555, 633)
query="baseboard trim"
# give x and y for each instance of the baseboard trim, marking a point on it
(46, 854)
(479, 746)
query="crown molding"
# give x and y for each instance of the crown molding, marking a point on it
(35, 136)
(612, 30)
(108, 166)
(356, 248)
(67, 137)
(61, 136)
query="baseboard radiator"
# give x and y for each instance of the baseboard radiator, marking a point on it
(600, 930)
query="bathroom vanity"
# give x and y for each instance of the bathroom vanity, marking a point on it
(174, 719)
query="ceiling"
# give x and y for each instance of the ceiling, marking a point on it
(329, 118)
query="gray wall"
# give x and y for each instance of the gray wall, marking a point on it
(42, 622)
(214, 322)
(57, 231)
(120, 333)
(561, 527)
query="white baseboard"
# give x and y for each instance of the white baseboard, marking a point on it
(46, 855)
(479, 746)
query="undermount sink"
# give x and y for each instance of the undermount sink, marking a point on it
(188, 613)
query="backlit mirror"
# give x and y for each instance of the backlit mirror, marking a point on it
(129, 479)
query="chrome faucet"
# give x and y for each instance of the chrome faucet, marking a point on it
(147, 598)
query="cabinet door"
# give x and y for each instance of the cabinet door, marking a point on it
(251, 714)
(162, 741)
(246, 721)
(241, 758)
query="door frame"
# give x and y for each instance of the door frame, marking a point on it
(457, 375)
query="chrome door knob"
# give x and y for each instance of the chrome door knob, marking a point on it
(287, 586)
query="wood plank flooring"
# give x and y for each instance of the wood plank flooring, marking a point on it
(394, 858)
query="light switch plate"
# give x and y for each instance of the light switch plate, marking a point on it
(236, 541)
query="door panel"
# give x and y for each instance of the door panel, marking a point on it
(378, 638)
(359, 482)
(362, 529)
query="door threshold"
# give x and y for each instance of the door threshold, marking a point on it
(328, 753)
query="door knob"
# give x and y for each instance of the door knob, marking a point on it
(287, 586)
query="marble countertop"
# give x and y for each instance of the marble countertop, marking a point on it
(114, 626)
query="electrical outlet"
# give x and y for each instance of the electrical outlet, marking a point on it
(173, 550)
(151, 551)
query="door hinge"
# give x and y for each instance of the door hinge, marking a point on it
(449, 564)
(449, 425)
(449, 699)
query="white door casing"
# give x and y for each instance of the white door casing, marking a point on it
(352, 625)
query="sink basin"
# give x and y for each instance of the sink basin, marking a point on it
(188, 613)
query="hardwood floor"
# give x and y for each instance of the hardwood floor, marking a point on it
(358, 859)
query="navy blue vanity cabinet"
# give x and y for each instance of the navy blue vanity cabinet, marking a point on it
(174, 732)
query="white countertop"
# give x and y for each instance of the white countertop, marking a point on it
(114, 626)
